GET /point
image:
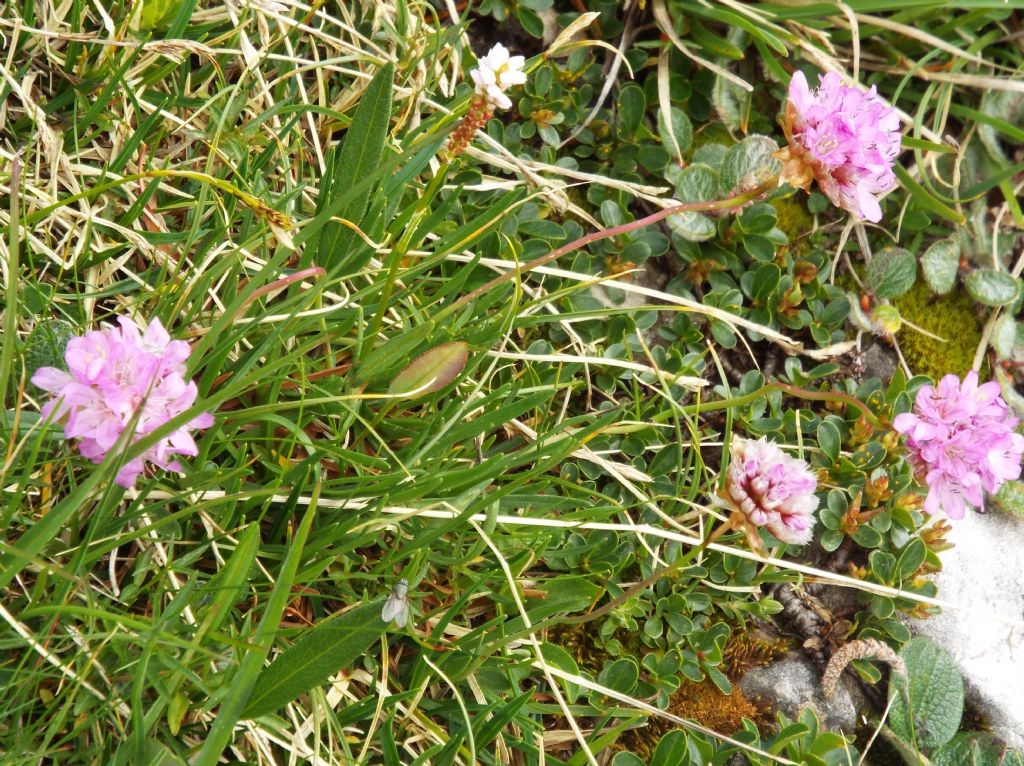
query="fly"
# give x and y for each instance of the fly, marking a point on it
(396, 608)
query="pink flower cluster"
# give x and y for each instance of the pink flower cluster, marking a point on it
(844, 138)
(961, 440)
(116, 376)
(772, 489)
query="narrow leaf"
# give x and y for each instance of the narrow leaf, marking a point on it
(360, 155)
(331, 646)
(432, 370)
(248, 673)
(924, 198)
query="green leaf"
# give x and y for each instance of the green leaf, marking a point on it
(926, 199)
(432, 370)
(911, 558)
(891, 272)
(627, 759)
(360, 155)
(331, 646)
(247, 676)
(621, 676)
(1007, 336)
(970, 748)
(697, 183)
(681, 128)
(156, 13)
(749, 163)
(940, 264)
(991, 287)
(671, 750)
(632, 105)
(44, 346)
(732, 103)
(829, 439)
(935, 692)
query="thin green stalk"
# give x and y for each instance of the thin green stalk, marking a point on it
(13, 268)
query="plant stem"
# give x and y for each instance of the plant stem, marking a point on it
(614, 231)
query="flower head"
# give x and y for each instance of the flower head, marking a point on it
(118, 378)
(845, 138)
(772, 489)
(497, 73)
(961, 440)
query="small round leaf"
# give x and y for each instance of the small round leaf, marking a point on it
(940, 264)
(891, 272)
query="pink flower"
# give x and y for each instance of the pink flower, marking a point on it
(116, 376)
(772, 489)
(961, 440)
(497, 73)
(844, 138)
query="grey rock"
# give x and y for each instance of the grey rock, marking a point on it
(983, 575)
(879, 361)
(794, 683)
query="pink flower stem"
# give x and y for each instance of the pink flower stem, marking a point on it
(685, 207)
(800, 393)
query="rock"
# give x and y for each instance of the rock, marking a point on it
(984, 573)
(879, 361)
(794, 683)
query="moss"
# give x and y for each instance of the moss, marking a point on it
(794, 220)
(750, 649)
(700, 702)
(950, 316)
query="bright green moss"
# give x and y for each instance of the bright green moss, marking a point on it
(794, 220)
(951, 317)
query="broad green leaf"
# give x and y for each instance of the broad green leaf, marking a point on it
(693, 227)
(44, 346)
(970, 749)
(732, 103)
(940, 264)
(891, 272)
(680, 127)
(331, 646)
(1006, 106)
(935, 692)
(360, 155)
(621, 675)
(993, 288)
(671, 750)
(632, 105)
(1007, 336)
(432, 370)
(627, 759)
(750, 162)
(697, 183)
(829, 439)
(156, 13)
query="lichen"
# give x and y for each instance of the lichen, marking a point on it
(951, 317)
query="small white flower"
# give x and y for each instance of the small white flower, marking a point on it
(498, 71)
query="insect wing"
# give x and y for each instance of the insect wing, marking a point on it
(396, 608)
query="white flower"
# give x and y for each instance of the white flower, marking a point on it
(498, 71)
